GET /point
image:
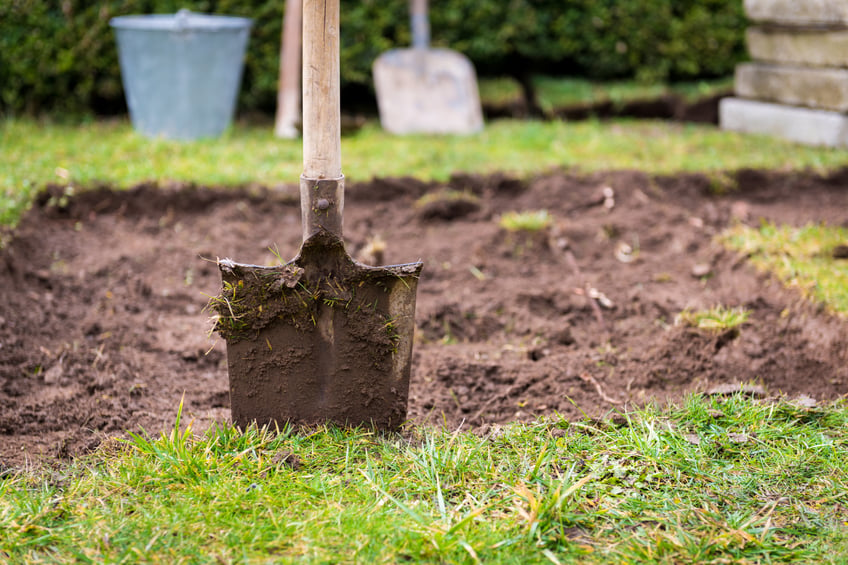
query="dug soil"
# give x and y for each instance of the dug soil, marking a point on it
(103, 326)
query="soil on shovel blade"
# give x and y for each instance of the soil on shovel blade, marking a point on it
(103, 327)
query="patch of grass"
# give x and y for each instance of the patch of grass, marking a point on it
(712, 481)
(558, 92)
(554, 92)
(528, 221)
(693, 91)
(721, 183)
(36, 153)
(715, 319)
(500, 91)
(801, 257)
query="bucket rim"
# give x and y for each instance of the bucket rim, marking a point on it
(191, 21)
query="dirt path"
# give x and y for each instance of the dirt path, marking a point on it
(102, 327)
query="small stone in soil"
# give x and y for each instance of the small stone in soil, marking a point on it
(701, 270)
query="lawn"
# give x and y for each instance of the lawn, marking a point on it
(35, 153)
(714, 480)
(555, 93)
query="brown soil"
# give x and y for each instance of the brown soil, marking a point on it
(103, 328)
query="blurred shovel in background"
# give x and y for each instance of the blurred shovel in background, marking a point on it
(322, 338)
(423, 90)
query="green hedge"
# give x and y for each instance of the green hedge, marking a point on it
(59, 56)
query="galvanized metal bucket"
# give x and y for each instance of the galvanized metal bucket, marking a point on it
(181, 72)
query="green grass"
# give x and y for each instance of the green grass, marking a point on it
(715, 319)
(556, 92)
(802, 257)
(527, 221)
(499, 91)
(36, 153)
(713, 481)
(559, 92)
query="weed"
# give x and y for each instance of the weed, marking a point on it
(525, 230)
(722, 183)
(715, 319)
(529, 221)
(391, 329)
(230, 313)
(275, 251)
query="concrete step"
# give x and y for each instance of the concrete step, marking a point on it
(802, 125)
(798, 12)
(802, 46)
(820, 88)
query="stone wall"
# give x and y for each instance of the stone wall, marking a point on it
(797, 85)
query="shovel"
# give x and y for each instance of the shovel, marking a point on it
(322, 338)
(424, 90)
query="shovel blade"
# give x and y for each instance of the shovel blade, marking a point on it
(320, 339)
(430, 91)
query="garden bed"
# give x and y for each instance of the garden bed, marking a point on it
(103, 327)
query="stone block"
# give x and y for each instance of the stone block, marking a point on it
(798, 12)
(819, 48)
(821, 88)
(802, 125)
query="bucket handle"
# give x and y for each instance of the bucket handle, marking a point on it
(181, 19)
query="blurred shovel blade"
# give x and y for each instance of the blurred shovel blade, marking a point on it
(431, 91)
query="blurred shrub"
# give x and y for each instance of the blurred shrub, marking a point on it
(59, 56)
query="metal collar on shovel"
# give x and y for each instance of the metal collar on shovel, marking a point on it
(323, 337)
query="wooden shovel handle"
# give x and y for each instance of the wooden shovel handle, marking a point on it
(322, 155)
(420, 23)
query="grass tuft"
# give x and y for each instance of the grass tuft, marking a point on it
(802, 257)
(715, 319)
(530, 221)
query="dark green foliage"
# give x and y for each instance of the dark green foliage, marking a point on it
(59, 55)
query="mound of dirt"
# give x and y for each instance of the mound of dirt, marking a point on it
(103, 328)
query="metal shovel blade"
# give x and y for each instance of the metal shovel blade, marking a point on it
(427, 91)
(322, 338)
(423, 90)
